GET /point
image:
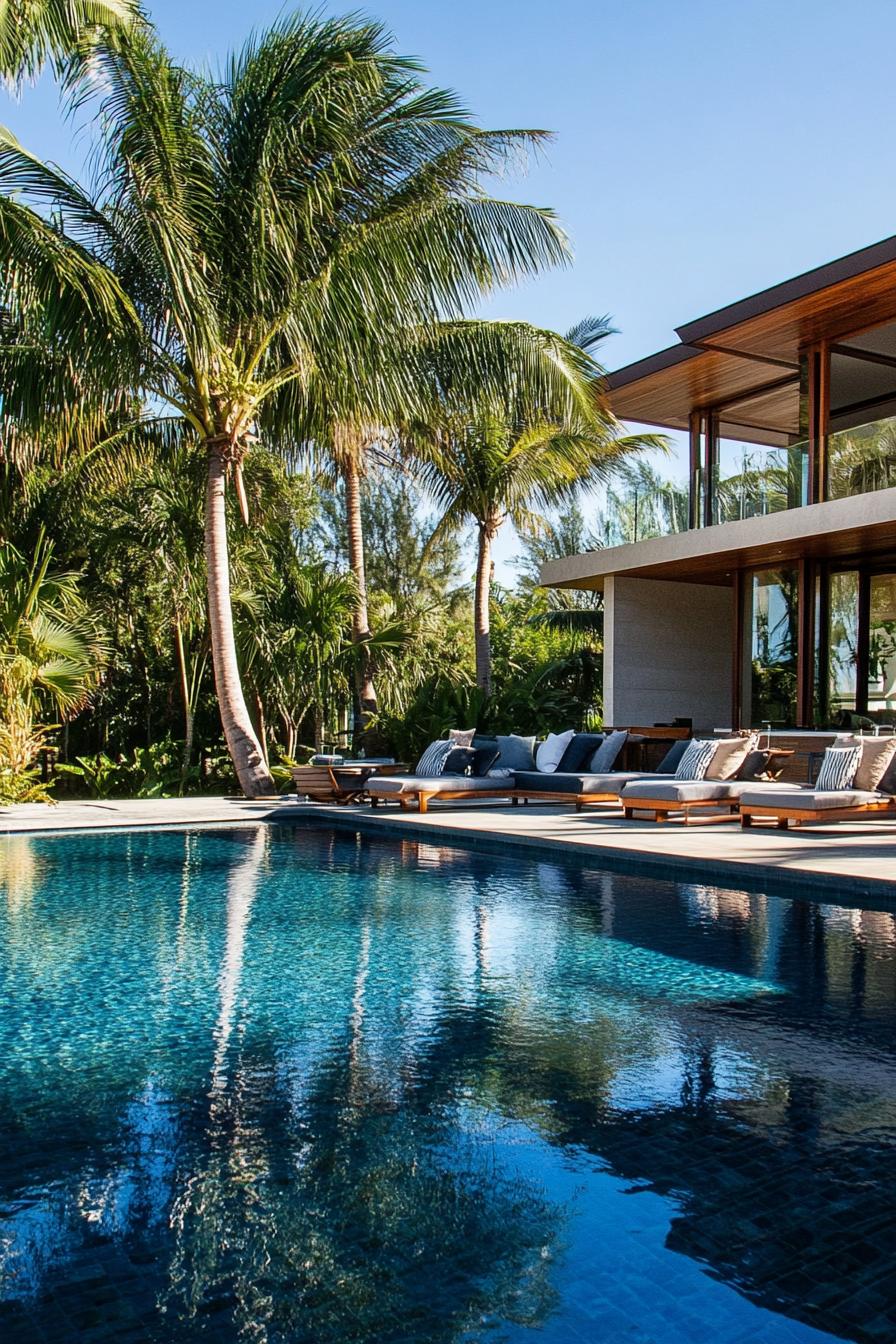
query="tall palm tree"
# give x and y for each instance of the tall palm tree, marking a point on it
(33, 32)
(242, 236)
(530, 437)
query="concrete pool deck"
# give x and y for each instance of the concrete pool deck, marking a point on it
(849, 858)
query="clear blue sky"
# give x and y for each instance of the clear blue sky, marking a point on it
(703, 149)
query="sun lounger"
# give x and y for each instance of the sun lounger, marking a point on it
(721, 797)
(792, 807)
(405, 789)
(324, 784)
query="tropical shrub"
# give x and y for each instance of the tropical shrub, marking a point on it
(51, 653)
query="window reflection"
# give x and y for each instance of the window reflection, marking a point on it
(772, 640)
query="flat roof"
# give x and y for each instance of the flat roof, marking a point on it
(748, 344)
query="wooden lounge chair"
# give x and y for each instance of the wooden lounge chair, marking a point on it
(793, 807)
(324, 783)
(419, 789)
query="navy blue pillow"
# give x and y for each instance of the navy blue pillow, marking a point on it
(459, 761)
(669, 764)
(483, 760)
(579, 752)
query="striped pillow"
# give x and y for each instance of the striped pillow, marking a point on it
(432, 762)
(838, 769)
(697, 759)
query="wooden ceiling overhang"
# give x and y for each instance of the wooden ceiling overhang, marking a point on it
(757, 342)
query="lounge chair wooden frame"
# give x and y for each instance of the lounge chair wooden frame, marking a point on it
(724, 809)
(319, 782)
(784, 817)
(422, 796)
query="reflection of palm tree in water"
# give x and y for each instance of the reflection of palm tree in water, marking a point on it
(350, 1206)
(242, 886)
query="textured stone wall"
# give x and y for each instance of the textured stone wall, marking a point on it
(668, 652)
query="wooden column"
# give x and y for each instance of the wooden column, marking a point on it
(695, 423)
(737, 686)
(819, 372)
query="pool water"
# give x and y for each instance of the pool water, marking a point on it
(293, 1084)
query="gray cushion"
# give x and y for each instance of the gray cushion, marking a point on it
(677, 790)
(517, 753)
(569, 783)
(607, 753)
(392, 785)
(811, 800)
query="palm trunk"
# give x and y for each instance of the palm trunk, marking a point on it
(364, 688)
(242, 743)
(481, 625)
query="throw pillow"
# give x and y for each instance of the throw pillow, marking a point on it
(483, 760)
(607, 753)
(731, 752)
(877, 754)
(517, 753)
(697, 759)
(461, 737)
(838, 769)
(580, 750)
(459, 761)
(550, 753)
(431, 762)
(669, 764)
(754, 764)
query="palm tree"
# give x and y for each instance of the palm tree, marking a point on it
(33, 32)
(247, 240)
(531, 436)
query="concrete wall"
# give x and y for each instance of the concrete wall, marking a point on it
(668, 650)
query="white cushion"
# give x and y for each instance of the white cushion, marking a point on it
(550, 753)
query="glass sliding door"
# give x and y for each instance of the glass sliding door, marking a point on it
(771, 615)
(760, 454)
(881, 670)
(861, 443)
(842, 644)
(857, 649)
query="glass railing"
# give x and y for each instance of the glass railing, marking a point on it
(650, 509)
(767, 481)
(862, 459)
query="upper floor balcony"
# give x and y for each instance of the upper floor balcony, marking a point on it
(787, 398)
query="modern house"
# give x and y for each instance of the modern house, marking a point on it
(775, 602)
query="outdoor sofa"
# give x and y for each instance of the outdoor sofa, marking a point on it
(582, 786)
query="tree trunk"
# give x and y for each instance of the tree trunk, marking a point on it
(243, 745)
(481, 623)
(365, 690)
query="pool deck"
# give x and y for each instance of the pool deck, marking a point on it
(840, 859)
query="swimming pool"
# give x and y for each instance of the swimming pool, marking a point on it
(293, 1084)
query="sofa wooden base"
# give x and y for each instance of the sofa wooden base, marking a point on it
(713, 809)
(785, 817)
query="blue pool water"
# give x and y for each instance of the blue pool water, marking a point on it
(296, 1085)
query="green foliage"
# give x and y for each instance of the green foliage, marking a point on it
(146, 772)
